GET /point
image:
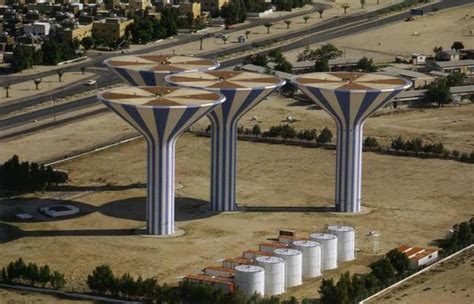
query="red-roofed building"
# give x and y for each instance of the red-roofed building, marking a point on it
(419, 257)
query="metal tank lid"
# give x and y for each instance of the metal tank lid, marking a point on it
(323, 236)
(306, 243)
(340, 228)
(287, 251)
(269, 259)
(249, 268)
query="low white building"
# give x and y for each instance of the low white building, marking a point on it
(418, 59)
(419, 257)
(37, 28)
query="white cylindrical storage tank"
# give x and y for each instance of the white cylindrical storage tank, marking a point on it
(328, 249)
(274, 274)
(293, 265)
(250, 279)
(311, 251)
(345, 242)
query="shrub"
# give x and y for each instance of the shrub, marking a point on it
(325, 136)
(371, 143)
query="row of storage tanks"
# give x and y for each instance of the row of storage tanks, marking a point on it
(279, 265)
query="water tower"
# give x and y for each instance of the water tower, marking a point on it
(160, 114)
(350, 98)
(149, 70)
(243, 91)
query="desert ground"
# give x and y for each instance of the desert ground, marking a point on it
(453, 126)
(405, 38)
(447, 282)
(410, 200)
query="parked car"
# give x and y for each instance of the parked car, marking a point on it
(90, 82)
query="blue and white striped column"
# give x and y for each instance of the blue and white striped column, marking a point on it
(161, 127)
(349, 109)
(224, 120)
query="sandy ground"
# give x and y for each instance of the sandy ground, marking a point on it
(383, 44)
(448, 282)
(453, 126)
(9, 296)
(28, 88)
(425, 197)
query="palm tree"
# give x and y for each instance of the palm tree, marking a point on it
(37, 82)
(287, 22)
(362, 3)
(60, 74)
(7, 90)
(306, 18)
(200, 42)
(345, 6)
(83, 70)
(268, 26)
(247, 33)
(225, 38)
(321, 11)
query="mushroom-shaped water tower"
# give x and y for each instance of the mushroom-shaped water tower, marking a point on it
(161, 114)
(243, 91)
(150, 70)
(350, 98)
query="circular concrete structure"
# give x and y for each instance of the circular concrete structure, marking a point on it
(350, 98)
(160, 114)
(150, 70)
(243, 91)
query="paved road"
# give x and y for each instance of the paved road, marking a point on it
(347, 29)
(181, 39)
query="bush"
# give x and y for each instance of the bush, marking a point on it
(383, 270)
(399, 261)
(325, 136)
(16, 176)
(371, 143)
(102, 280)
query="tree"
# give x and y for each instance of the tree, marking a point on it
(357, 289)
(83, 69)
(7, 90)
(325, 136)
(305, 18)
(321, 64)
(455, 79)
(288, 23)
(321, 11)
(256, 130)
(371, 143)
(233, 12)
(32, 273)
(57, 280)
(37, 82)
(268, 26)
(44, 275)
(259, 59)
(438, 92)
(362, 3)
(345, 6)
(60, 74)
(343, 287)
(225, 38)
(383, 270)
(328, 292)
(457, 46)
(102, 280)
(366, 65)
(22, 58)
(398, 144)
(399, 261)
(247, 33)
(88, 42)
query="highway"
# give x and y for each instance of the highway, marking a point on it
(347, 26)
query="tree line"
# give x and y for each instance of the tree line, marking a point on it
(104, 282)
(18, 272)
(52, 51)
(462, 235)
(417, 146)
(26, 176)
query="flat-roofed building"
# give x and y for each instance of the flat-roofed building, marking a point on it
(110, 29)
(460, 66)
(419, 79)
(79, 32)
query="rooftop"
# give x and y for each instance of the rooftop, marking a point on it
(453, 64)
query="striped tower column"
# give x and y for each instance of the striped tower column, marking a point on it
(161, 114)
(350, 98)
(243, 91)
